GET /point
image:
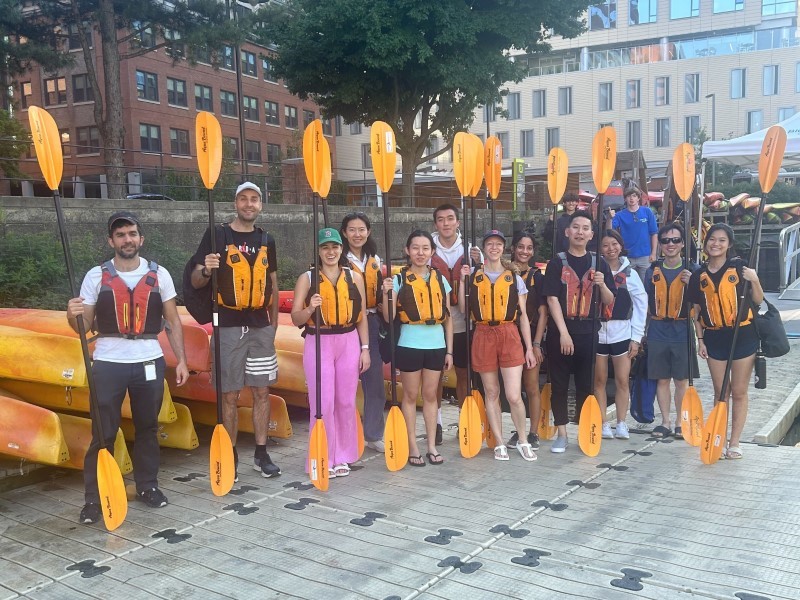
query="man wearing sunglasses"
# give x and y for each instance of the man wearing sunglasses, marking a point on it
(637, 224)
(667, 343)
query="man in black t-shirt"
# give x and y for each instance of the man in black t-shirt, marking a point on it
(568, 286)
(248, 315)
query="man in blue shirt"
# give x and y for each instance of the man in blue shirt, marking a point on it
(638, 226)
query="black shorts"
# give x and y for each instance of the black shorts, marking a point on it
(670, 360)
(410, 360)
(460, 350)
(615, 349)
(718, 342)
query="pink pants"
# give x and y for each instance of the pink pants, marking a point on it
(339, 353)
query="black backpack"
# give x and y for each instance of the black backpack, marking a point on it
(197, 301)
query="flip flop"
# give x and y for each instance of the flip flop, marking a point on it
(432, 458)
(678, 433)
(526, 452)
(734, 453)
(661, 432)
(500, 452)
(419, 463)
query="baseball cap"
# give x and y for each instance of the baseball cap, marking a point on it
(248, 185)
(123, 215)
(329, 234)
(494, 233)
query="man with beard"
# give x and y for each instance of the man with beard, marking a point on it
(248, 315)
(125, 300)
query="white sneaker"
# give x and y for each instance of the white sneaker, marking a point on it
(622, 431)
(377, 445)
(607, 435)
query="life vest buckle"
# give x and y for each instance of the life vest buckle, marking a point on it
(494, 323)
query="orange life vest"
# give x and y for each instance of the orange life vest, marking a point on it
(578, 298)
(453, 275)
(493, 303)
(372, 279)
(421, 302)
(129, 313)
(241, 286)
(666, 300)
(341, 303)
(720, 305)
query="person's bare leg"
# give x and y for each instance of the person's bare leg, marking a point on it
(530, 379)
(512, 381)
(600, 379)
(260, 414)
(411, 383)
(230, 414)
(622, 397)
(430, 383)
(664, 397)
(741, 373)
(491, 389)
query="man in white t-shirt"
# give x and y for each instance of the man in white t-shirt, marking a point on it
(126, 300)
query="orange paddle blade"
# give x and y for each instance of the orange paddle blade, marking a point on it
(557, 172)
(317, 158)
(714, 435)
(47, 143)
(692, 417)
(683, 170)
(208, 142)
(546, 428)
(359, 434)
(604, 158)
(493, 165)
(222, 466)
(462, 162)
(113, 499)
(318, 456)
(325, 183)
(772, 151)
(477, 155)
(590, 426)
(469, 428)
(395, 438)
(384, 154)
(482, 412)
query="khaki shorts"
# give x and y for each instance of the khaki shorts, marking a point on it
(495, 347)
(247, 357)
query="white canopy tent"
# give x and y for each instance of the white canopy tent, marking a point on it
(745, 150)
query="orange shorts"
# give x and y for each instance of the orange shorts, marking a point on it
(496, 347)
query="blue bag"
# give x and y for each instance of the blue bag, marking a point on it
(643, 391)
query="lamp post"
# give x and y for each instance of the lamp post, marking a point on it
(713, 134)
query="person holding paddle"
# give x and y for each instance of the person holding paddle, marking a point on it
(342, 331)
(425, 346)
(496, 296)
(621, 331)
(716, 290)
(569, 283)
(125, 300)
(361, 251)
(247, 319)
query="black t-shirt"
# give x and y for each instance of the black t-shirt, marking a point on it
(535, 298)
(552, 286)
(248, 244)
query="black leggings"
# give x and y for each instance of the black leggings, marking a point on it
(561, 366)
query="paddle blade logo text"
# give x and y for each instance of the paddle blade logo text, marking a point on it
(390, 449)
(217, 472)
(388, 141)
(377, 145)
(204, 139)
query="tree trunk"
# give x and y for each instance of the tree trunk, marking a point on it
(407, 185)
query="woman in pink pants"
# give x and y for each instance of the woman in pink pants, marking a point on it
(344, 346)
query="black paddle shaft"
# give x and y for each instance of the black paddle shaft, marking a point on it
(317, 314)
(212, 233)
(687, 224)
(595, 303)
(390, 297)
(94, 409)
(466, 260)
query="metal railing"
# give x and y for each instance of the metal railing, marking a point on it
(789, 256)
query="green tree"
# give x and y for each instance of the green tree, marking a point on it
(392, 60)
(14, 139)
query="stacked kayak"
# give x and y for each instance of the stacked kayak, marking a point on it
(742, 209)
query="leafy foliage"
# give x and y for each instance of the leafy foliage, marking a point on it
(14, 140)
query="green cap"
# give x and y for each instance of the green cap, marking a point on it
(329, 234)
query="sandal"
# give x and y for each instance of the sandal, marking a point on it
(734, 453)
(662, 432)
(678, 433)
(416, 461)
(342, 470)
(500, 453)
(331, 474)
(434, 459)
(526, 452)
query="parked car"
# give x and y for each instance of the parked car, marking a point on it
(149, 197)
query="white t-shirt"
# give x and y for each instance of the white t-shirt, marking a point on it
(121, 350)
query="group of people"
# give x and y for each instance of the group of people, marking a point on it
(516, 316)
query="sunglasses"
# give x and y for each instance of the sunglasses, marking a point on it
(670, 240)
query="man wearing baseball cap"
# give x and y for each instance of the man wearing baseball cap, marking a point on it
(126, 300)
(248, 315)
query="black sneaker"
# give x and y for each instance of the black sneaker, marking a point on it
(153, 498)
(512, 441)
(266, 466)
(90, 513)
(235, 465)
(533, 440)
(438, 435)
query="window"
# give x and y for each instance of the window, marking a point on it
(143, 36)
(230, 147)
(642, 11)
(203, 98)
(248, 63)
(175, 47)
(691, 129)
(268, 69)
(433, 148)
(88, 140)
(55, 91)
(691, 89)
(337, 125)
(777, 7)
(662, 133)
(489, 113)
(722, 6)
(503, 137)
(290, 117)
(150, 137)
(564, 101)
(526, 143)
(75, 36)
(272, 112)
(682, 9)
(785, 113)
(755, 119)
(797, 78)
(308, 116)
(662, 91)
(81, 89)
(603, 15)
(770, 83)
(179, 142)
(738, 83)
(250, 108)
(202, 54)
(147, 86)
(633, 94)
(253, 151)
(63, 135)
(273, 153)
(176, 92)
(606, 96)
(608, 124)
(227, 103)
(552, 138)
(633, 130)
(25, 94)
(327, 128)
(355, 128)
(539, 103)
(366, 156)
(513, 106)
(226, 61)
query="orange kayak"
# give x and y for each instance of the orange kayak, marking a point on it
(78, 434)
(205, 413)
(30, 432)
(178, 434)
(43, 357)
